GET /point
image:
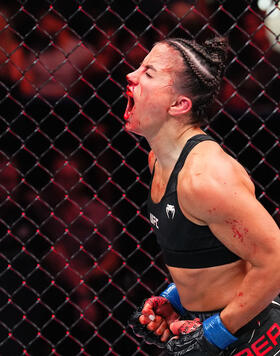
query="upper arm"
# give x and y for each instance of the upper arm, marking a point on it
(221, 198)
(243, 225)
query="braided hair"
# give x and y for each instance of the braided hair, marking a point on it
(203, 72)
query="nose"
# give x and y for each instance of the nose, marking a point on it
(132, 78)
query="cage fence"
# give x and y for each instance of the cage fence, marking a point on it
(77, 252)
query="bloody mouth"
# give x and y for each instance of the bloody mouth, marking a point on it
(130, 104)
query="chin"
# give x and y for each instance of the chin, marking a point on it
(132, 128)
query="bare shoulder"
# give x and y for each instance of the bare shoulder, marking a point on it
(210, 174)
(151, 160)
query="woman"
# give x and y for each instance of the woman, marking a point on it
(221, 246)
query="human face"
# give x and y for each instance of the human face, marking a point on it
(151, 90)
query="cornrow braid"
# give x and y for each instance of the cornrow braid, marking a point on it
(213, 51)
(203, 72)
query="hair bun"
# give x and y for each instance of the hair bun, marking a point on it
(217, 47)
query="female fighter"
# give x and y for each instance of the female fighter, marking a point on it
(222, 248)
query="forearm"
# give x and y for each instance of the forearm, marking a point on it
(258, 289)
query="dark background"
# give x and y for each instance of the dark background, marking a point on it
(77, 252)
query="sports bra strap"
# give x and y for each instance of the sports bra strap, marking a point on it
(190, 144)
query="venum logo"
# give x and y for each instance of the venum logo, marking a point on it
(154, 220)
(170, 211)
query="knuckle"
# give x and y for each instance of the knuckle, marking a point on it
(150, 327)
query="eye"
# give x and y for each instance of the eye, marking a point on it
(148, 75)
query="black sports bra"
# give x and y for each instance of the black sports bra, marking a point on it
(185, 244)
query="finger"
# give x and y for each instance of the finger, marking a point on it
(165, 336)
(153, 325)
(144, 319)
(161, 328)
(148, 310)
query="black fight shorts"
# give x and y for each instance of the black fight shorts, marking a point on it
(260, 337)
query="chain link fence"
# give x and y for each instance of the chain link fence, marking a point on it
(77, 252)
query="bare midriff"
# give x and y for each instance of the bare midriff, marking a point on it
(208, 289)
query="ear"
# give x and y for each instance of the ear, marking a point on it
(181, 106)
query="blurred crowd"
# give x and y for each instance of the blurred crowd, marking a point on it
(65, 206)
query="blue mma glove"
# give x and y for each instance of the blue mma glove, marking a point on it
(172, 295)
(210, 338)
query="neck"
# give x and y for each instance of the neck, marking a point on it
(168, 143)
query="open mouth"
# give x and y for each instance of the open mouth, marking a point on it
(130, 104)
